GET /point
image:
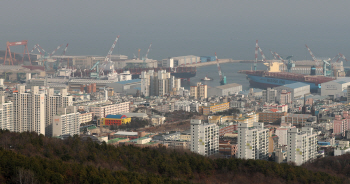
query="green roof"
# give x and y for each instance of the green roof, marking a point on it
(92, 127)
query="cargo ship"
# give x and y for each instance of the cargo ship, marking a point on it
(273, 78)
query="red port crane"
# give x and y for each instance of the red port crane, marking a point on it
(8, 50)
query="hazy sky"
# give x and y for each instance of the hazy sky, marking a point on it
(180, 27)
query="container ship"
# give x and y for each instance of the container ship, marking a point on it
(274, 77)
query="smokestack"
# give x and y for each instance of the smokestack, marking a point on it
(304, 107)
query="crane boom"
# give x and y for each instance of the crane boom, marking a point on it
(35, 46)
(149, 48)
(262, 55)
(256, 51)
(274, 56)
(41, 48)
(279, 57)
(108, 57)
(312, 55)
(219, 69)
(53, 52)
(65, 49)
(342, 56)
(98, 62)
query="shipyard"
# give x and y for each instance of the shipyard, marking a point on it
(174, 92)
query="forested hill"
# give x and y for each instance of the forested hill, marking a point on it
(29, 158)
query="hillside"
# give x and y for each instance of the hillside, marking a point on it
(29, 157)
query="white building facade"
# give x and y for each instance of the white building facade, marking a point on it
(301, 145)
(53, 102)
(66, 122)
(29, 110)
(204, 138)
(252, 141)
(6, 114)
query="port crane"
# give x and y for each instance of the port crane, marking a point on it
(257, 48)
(108, 57)
(289, 64)
(222, 77)
(95, 74)
(44, 56)
(58, 62)
(327, 67)
(145, 58)
(8, 50)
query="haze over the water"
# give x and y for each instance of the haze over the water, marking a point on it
(180, 27)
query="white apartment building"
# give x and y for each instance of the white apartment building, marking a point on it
(252, 141)
(269, 95)
(103, 110)
(301, 145)
(66, 122)
(29, 110)
(158, 83)
(6, 114)
(204, 138)
(53, 102)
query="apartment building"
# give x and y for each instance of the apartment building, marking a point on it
(158, 83)
(298, 119)
(249, 119)
(281, 108)
(6, 114)
(224, 129)
(285, 97)
(53, 102)
(85, 117)
(29, 110)
(204, 138)
(252, 141)
(199, 91)
(66, 122)
(269, 95)
(215, 107)
(341, 124)
(271, 116)
(104, 110)
(301, 145)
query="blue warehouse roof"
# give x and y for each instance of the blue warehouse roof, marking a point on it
(118, 116)
(129, 81)
(296, 85)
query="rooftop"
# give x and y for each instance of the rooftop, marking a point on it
(228, 86)
(296, 85)
(126, 133)
(342, 80)
(129, 81)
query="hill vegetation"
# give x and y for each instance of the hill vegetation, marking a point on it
(31, 158)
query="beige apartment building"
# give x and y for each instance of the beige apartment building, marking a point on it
(199, 91)
(103, 110)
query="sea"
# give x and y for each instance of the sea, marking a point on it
(230, 70)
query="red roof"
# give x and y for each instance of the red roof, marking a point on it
(274, 110)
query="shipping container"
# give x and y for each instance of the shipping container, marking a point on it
(204, 59)
(211, 58)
